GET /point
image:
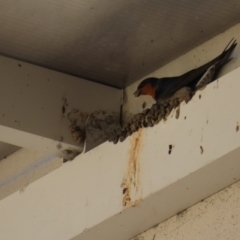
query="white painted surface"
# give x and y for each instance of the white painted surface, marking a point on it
(215, 218)
(87, 193)
(23, 167)
(31, 101)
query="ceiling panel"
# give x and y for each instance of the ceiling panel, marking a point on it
(112, 42)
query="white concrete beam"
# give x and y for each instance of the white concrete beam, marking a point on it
(34, 102)
(118, 191)
(23, 167)
(85, 198)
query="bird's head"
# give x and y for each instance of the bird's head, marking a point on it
(147, 87)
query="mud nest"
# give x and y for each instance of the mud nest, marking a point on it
(147, 118)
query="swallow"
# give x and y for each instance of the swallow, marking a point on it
(164, 88)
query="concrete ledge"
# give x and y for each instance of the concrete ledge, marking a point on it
(169, 201)
(23, 167)
(35, 102)
(84, 199)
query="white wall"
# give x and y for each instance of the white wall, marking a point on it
(215, 218)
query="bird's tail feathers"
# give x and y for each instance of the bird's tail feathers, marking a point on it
(224, 57)
(228, 45)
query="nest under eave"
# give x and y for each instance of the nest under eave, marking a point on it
(149, 117)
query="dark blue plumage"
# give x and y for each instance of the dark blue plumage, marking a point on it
(164, 88)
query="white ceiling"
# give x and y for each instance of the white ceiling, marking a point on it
(112, 42)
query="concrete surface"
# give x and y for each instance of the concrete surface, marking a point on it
(214, 218)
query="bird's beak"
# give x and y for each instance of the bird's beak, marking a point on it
(137, 93)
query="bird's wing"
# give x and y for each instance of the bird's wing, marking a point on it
(196, 77)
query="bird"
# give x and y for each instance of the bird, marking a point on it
(161, 89)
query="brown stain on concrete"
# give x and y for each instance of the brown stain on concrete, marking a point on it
(131, 181)
(237, 127)
(201, 150)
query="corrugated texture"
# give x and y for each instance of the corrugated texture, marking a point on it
(113, 42)
(215, 218)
